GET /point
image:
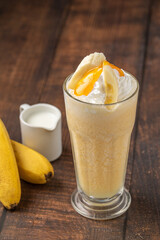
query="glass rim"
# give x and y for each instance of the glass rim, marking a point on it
(100, 104)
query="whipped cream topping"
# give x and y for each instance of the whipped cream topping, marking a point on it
(126, 87)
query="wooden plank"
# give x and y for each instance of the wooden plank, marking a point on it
(29, 31)
(116, 28)
(144, 216)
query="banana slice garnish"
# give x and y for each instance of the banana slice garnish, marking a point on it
(111, 85)
(89, 71)
(88, 63)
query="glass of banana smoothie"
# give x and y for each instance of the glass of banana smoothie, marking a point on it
(100, 102)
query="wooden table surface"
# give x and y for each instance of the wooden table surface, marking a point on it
(41, 43)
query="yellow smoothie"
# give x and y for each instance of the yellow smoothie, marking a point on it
(100, 102)
(100, 142)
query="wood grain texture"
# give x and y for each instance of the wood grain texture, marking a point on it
(41, 43)
(29, 33)
(144, 215)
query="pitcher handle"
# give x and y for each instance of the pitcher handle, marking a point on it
(23, 107)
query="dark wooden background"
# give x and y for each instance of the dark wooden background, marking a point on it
(41, 43)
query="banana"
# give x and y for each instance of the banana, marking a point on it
(111, 85)
(89, 62)
(33, 167)
(10, 188)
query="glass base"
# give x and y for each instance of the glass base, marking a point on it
(112, 208)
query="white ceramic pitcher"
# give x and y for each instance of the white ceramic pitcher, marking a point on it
(42, 136)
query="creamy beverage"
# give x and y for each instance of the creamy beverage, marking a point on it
(42, 119)
(100, 109)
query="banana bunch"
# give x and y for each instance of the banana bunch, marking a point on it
(18, 161)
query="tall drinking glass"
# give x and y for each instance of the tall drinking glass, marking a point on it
(100, 138)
